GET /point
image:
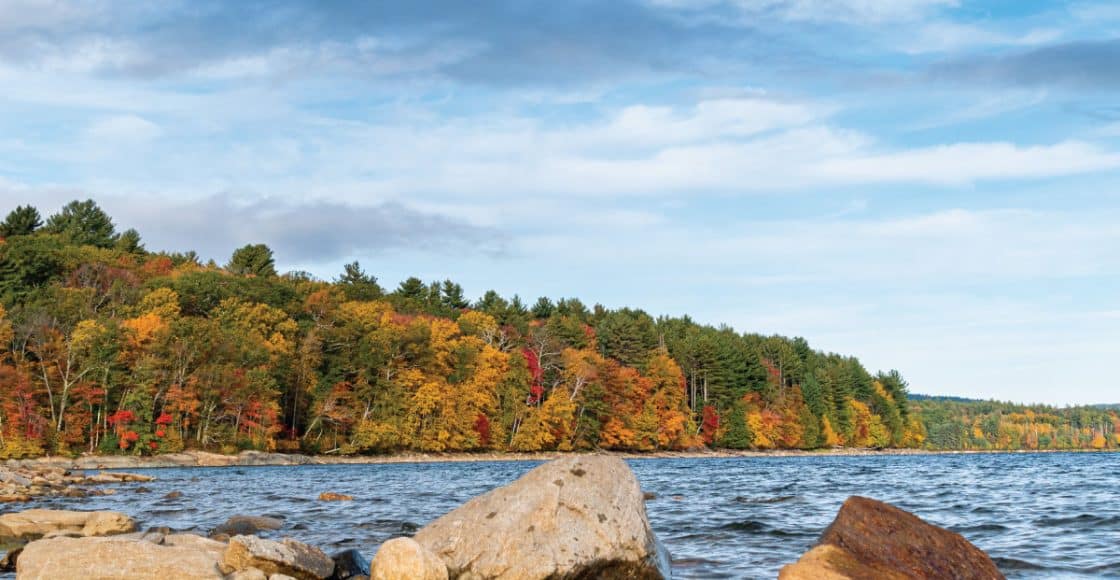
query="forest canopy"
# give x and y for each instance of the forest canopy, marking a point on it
(108, 347)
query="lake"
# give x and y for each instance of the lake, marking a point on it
(1041, 515)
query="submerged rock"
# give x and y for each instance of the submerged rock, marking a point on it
(404, 559)
(287, 556)
(119, 558)
(246, 526)
(576, 517)
(31, 524)
(332, 496)
(872, 539)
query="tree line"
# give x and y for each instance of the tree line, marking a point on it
(957, 423)
(108, 347)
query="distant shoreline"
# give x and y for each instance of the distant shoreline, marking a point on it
(262, 459)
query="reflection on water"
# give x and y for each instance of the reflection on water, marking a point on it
(1038, 515)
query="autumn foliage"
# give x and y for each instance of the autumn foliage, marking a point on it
(113, 349)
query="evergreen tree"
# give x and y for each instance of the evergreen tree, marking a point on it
(357, 285)
(83, 223)
(129, 242)
(253, 260)
(21, 221)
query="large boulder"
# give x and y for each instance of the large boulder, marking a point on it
(872, 539)
(31, 524)
(576, 517)
(404, 559)
(117, 558)
(287, 556)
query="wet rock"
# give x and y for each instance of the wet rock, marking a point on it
(15, 498)
(332, 496)
(246, 526)
(872, 539)
(116, 558)
(142, 489)
(287, 556)
(37, 523)
(576, 517)
(649, 495)
(404, 559)
(174, 495)
(350, 565)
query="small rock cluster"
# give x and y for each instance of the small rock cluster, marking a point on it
(576, 517)
(24, 483)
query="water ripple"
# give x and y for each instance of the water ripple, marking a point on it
(1038, 515)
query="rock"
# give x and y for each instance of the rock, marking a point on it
(281, 577)
(250, 574)
(15, 498)
(174, 495)
(649, 495)
(576, 517)
(404, 559)
(872, 539)
(118, 477)
(37, 523)
(8, 562)
(14, 478)
(287, 556)
(332, 496)
(350, 564)
(246, 526)
(116, 558)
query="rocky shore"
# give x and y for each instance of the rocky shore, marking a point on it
(581, 516)
(261, 459)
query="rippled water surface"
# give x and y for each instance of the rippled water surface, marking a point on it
(1038, 515)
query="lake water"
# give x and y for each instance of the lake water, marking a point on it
(1051, 515)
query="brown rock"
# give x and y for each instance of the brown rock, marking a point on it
(115, 559)
(38, 523)
(404, 559)
(576, 517)
(332, 496)
(287, 556)
(872, 539)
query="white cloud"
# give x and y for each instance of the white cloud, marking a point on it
(847, 11)
(123, 129)
(964, 163)
(948, 36)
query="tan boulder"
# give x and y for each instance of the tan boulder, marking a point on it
(872, 539)
(332, 496)
(579, 516)
(115, 559)
(37, 523)
(404, 559)
(287, 556)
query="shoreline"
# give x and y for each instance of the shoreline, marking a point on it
(265, 459)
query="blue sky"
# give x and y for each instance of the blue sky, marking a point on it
(930, 185)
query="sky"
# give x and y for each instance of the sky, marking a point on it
(929, 185)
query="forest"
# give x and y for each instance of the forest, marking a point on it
(108, 347)
(956, 423)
